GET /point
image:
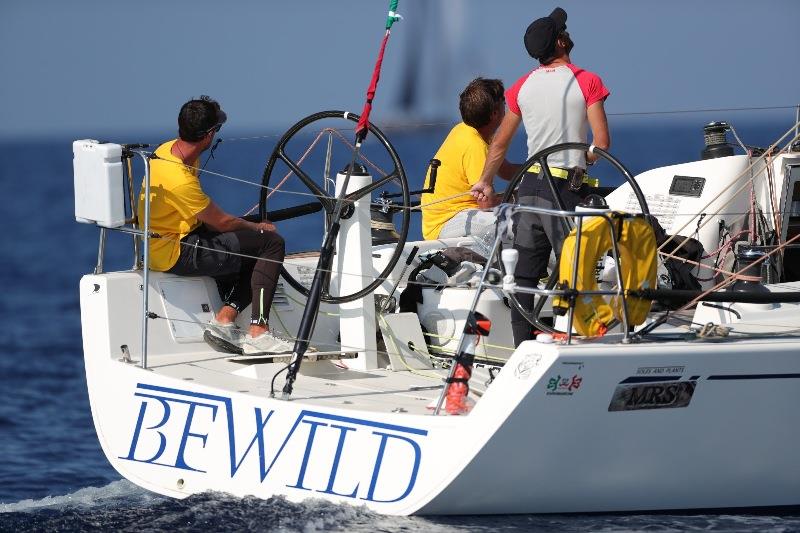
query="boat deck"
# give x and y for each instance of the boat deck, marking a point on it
(320, 382)
(331, 383)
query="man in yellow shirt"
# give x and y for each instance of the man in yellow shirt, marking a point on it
(462, 156)
(197, 238)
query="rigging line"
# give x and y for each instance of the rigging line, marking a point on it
(710, 110)
(339, 134)
(415, 125)
(657, 322)
(311, 147)
(361, 155)
(429, 204)
(736, 276)
(275, 189)
(422, 206)
(393, 338)
(419, 125)
(488, 345)
(730, 241)
(732, 183)
(300, 162)
(344, 347)
(716, 270)
(246, 256)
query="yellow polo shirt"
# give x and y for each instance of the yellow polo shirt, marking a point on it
(463, 154)
(175, 199)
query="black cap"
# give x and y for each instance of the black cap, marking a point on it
(541, 35)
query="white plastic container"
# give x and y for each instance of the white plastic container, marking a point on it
(99, 183)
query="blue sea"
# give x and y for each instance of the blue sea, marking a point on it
(53, 475)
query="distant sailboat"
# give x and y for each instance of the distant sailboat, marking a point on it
(439, 58)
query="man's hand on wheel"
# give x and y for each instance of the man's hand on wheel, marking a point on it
(266, 226)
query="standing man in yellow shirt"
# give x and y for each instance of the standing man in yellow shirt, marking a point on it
(197, 238)
(462, 156)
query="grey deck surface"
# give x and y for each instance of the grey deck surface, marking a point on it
(320, 383)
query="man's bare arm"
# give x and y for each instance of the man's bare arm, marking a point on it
(483, 190)
(217, 219)
(596, 114)
(508, 170)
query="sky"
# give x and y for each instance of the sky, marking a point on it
(99, 67)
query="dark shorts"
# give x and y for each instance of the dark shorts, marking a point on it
(206, 253)
(245, 264)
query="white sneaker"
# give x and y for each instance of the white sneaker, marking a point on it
(225, 337)
(266, 343)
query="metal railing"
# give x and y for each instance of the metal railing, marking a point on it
(504, 213)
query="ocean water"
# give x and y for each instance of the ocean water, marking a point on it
(53, 475)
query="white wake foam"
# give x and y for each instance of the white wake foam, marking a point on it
(86, 497)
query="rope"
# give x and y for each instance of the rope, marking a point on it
(422, 206)
(733, 182)
(736, 276)
(488, 345)
(711, 330)
(246, 256)
(421, 125)
(710, 110)
(392, 337)
(302, 158)
(427, 205)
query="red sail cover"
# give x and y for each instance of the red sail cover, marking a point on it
(361, 127)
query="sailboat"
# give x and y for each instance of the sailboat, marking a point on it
(432, 410)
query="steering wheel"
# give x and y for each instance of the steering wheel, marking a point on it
(395, 177)
(540, 158)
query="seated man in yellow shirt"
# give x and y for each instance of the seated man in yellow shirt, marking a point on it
(197, 238)
(462, 156)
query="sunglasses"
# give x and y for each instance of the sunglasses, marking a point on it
(215, 128)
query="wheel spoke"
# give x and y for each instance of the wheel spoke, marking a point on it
(363, 191)
(540, 158)
(326, 201)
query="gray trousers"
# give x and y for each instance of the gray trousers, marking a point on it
(535, 236)
(468, 222)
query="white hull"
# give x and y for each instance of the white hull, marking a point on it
(195, 421)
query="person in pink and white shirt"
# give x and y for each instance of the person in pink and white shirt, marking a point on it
(557, 102)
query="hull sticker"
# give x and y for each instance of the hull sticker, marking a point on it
(563, 386)
(659, 370)
(526, 366)
(652, 395)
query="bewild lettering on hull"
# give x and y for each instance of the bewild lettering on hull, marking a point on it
(174, 427)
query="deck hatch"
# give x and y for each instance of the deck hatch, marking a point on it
(188, 307)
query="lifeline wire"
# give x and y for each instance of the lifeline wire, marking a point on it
(421, 206)
(419, 125)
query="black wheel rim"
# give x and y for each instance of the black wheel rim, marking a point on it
(540, 158)
(328, 202)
